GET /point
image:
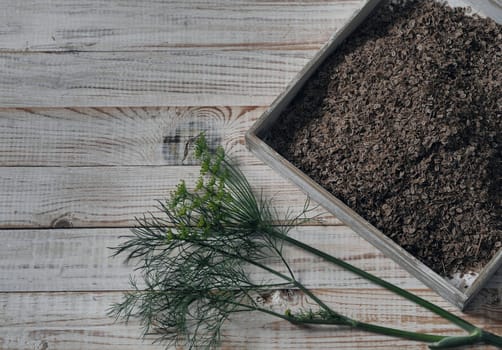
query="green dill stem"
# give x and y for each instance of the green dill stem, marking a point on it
(343, 320)
(490, 338)
(454, 341)
(384, 330)
(264, 310)
(352, 323)
(314, 297)
(476, 335)
(278, 274)
(255, 216)
(294, 282)
(401, 292)
(399, 333)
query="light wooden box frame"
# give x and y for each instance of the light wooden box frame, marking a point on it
(255, 143)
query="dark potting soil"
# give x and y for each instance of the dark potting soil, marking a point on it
(403, 124)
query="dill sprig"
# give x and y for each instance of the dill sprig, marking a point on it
(194, 263)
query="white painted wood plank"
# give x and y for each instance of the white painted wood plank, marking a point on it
(79, 260)
(176, 77)
(70, 321)
(120, 136)
(113, 196)
(96, 25)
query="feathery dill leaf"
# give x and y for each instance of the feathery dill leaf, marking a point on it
(194, 264)
(193, 260)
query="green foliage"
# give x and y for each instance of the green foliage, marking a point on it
(193, 262)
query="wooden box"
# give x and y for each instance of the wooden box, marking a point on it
(458, 291)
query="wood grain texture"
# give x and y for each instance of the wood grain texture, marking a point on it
(175, 77)
(116, 25)
(113, 196)
(79, 260)
(69, 321)
(154, 74)
(120, 136)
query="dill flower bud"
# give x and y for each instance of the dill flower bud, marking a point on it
(220, 193)
(204, 166)
(169, 235)
(216, 166)
(220, 152)
(200, 184)
(196, 203)
(179, 195)
(200, 146)
(181, 189)
(184, 232)
(201, 223)
(182, 211)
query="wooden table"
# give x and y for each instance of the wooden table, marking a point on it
(98, 100)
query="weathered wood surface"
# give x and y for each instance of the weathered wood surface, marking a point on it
(116, 25)
(120, 136)
(106, 53)
(154, 74)
(175, 77)
(114, 196)
(79, 260)
(68, 321)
